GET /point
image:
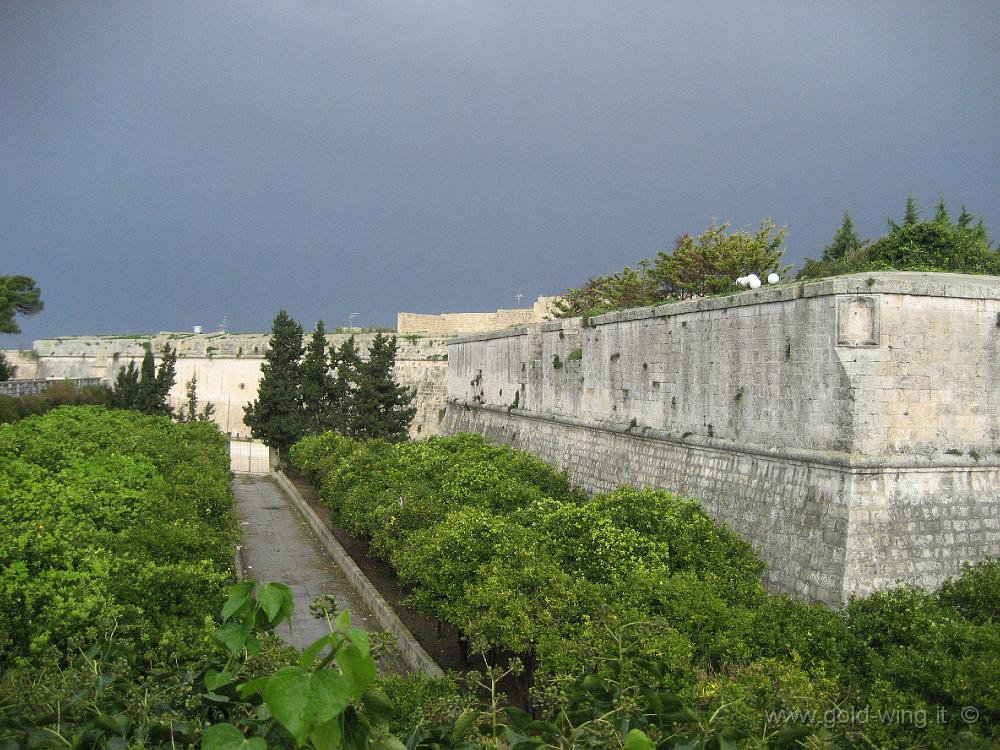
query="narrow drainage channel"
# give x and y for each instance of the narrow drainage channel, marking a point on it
(278, 545)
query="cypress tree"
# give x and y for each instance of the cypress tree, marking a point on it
(276, 416)
(166, 374)
(146, 401)
(314, 381)
(125, 392)
(189, 412)
(845, 240)
(380, 407)
(344, 363)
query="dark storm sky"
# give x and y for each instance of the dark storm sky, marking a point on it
(167, 163)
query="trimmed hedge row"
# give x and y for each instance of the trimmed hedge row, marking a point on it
(111, 522)
(499, 544)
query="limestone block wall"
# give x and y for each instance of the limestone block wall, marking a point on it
(452, 324)
(227, 367)
(848, 428)
(25, 362)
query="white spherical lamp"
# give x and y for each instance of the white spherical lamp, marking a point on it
(742, 281)
(754, 282)
(772, 278)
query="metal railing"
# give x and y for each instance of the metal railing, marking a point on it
(35, 387)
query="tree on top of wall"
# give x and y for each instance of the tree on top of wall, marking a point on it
(935, 244)
(276, 416)
(846, 240)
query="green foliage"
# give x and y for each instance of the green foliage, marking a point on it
(642, 591)
(936, 244)
(190, 412)
(379, 408)
(314, 384)
(147, 388)
(62, 393)
(711, 262)
(19, 295)
(845, 241)
(7, 370)
(344, 364)
(630, 287)
(327, 389)
(697, 266)
(125, 391)
(111, 521)
(276, 416)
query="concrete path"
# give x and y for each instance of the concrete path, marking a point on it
(278, 545)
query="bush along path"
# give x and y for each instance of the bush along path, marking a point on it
(645, 594)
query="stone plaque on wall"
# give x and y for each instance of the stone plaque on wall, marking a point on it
(857, 321)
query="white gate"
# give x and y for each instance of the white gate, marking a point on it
(250, 457)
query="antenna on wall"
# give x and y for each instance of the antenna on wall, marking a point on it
(518, 297)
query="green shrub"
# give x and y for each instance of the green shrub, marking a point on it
(112, 521)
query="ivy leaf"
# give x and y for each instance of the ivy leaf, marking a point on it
(228, 737)
(238, 596)
(252, 687)
(232, 636)
(310, 652)
(214, 680)
(638, 740)
(327, 735)
(276, 601)
(356, 663)
(302, 701)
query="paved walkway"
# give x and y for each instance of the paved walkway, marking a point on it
(278, 545)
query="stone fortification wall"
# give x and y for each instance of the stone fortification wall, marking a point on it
(227, 367)
(453, 324)
(848, 428)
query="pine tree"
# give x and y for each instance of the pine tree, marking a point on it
(276, 416)
(125, 392)
(912, 215)
(380, 407)
(314, 381)
(941, 212)
(845, 240)
(344, 363)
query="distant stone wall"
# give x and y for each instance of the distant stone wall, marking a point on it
(26, 363)
(227, 367)
(453, 324)
(848, 428)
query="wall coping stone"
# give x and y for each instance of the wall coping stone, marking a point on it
(912, 283)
